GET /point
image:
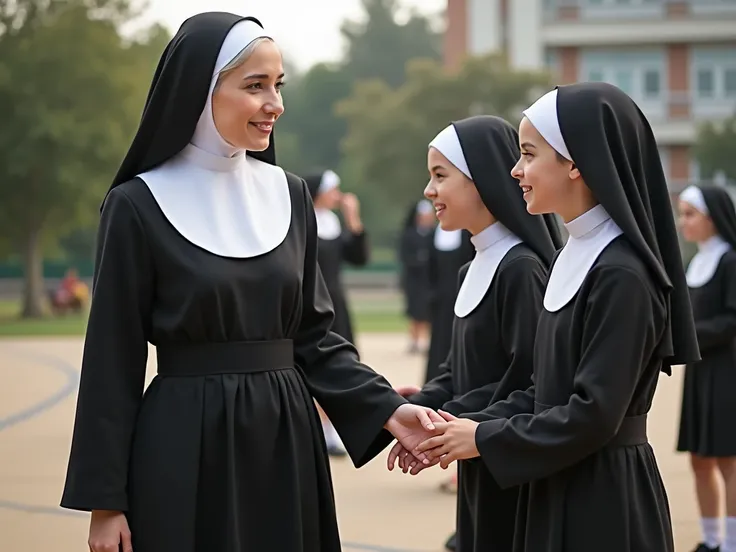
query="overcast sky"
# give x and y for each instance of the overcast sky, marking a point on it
(307, 31)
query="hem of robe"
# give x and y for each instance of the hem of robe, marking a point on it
(112, 503)
(364, 448)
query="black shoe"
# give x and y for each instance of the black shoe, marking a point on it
(703, 548)
(451, 543)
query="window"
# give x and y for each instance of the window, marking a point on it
(705, 83)
(729, 82)
(652, 84)
(624, 79)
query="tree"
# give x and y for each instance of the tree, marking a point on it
(71, 91)
(715, 149)
(389, 130)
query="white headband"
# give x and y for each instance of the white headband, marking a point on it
(694, 196)
(329, 181)
(543, 115)
(448, 144)
(206, 135)
(424, 207)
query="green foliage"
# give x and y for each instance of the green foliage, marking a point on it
(715, 149)
(389, 130)
(71, 91)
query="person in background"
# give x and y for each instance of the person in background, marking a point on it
(414, 246)
(337, 245)
(708, 219)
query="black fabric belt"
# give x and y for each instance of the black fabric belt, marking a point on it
(232, 357)
(631, 432)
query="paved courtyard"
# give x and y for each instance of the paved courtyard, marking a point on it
(378, 511)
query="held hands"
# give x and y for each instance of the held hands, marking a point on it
(411, 425)
(452, 439)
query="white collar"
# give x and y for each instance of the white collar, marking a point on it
(230, 206)
(447, 240)
(704, 263)
(491, 246)
(590, 234)
(328, 224)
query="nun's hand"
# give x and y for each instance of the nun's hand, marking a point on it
(351, 212)
(408, 463)
(109, 532)
(408, 390)
(455, 442)
(412, 424)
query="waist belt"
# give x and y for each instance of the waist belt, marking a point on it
(235, 357)
(631, 432)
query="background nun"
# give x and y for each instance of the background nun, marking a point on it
(210, 254)
(707, 218)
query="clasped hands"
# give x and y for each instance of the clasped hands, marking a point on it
(426, 438)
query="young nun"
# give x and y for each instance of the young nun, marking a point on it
(616, 314)
(210, 254)
(337, 245)
(497, 306)
(707, 218)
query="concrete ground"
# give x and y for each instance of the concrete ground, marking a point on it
(378, 511)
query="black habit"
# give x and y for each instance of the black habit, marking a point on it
(492, 345)
(414, 250)
(223, 452)
(576, 439)
(444, 266)
(333, 253)
(709, 390)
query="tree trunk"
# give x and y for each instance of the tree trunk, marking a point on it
(33, 288)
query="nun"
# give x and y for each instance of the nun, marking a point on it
(450, 250)
(337, 245)
(616, 314)
(707, 218)
(414, 244)
(497, 306)
(208, 251)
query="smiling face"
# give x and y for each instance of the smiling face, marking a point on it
(247, 99)
(551, 183)
(456, 201)
(696, 226)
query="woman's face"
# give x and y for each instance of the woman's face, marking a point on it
(548, 183)
(456, 201)
(330, 199)
(425, 220)
(696, 226)
(247, 101)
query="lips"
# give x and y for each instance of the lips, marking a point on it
(439, 208)
(263, 126)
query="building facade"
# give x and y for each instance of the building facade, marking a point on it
(675, 58)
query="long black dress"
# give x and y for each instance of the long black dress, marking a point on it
(491, 357)
(576, 440)
(414, 252)
(709, 390)
(224, 451)
(332, 254)
(443, 270)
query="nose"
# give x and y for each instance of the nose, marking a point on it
(275, 106)
(429, 191)
(516, 171)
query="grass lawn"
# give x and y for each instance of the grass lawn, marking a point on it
(370, 316)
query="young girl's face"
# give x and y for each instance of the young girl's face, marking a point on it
(696, 226)
(456, 201)
(548, 182)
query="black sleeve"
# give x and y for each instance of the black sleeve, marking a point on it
(113, 363)
(357, 400)
(622, 327)
(355, 249)
(518, 294)
(721, 329)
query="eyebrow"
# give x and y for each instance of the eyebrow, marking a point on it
(437, 167)
(261, 76)
(528, 145)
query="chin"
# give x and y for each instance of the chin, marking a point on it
(448, 226)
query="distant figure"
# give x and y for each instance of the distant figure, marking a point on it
(70, 295)
(414, 251)
(450, 250)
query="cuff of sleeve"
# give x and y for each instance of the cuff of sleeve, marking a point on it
(113, 503)
(484, 434)
(364, 448)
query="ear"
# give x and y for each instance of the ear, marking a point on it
(574, 173)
